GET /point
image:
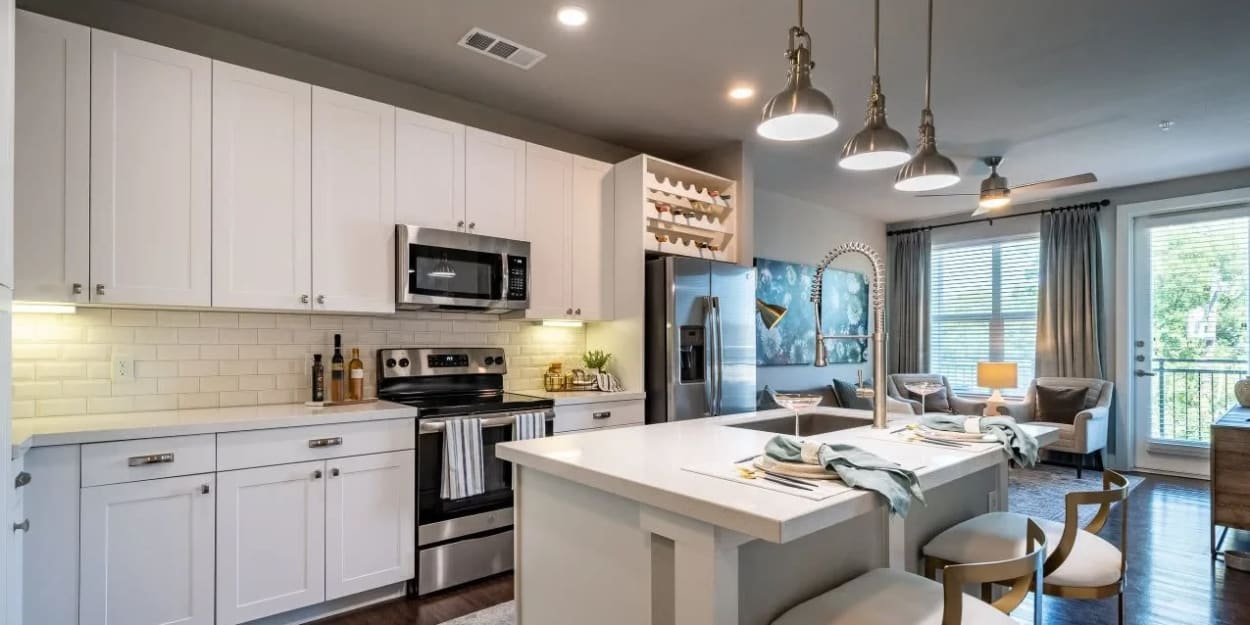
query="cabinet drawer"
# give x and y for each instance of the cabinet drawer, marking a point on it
(258, 448)
(598, 415)
(147, 458)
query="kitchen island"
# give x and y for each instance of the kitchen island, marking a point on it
(612, 529)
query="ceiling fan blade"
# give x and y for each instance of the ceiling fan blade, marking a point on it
(948, 195)
(1069, 181)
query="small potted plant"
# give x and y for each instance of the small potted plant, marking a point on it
(596, 359)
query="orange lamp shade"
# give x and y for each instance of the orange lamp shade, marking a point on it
(997, 375)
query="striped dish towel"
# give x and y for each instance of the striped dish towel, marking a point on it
(462, 459)
(530, 425)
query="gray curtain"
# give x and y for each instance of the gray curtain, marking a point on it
(907, 324)
(1070, 282)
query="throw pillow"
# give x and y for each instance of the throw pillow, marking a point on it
(1059, 404)
(845, 392)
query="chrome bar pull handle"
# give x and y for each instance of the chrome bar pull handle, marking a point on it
(99, 289)
(601, 415)
(317, 443)
(77, 288)
(303, 299)
(139, 461)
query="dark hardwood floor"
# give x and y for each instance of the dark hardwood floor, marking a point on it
(1172, 580)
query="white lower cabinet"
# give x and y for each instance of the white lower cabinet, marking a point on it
(370, 524)
(147, 552)
(270, 540)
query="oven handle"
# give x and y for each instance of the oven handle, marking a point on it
(434, 426)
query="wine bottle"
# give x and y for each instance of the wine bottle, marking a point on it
(318, 379)
(337, 383)
(356, 376)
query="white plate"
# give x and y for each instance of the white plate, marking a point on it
(794, 469)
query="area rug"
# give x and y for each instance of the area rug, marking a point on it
(502, 614)
(1038, 491)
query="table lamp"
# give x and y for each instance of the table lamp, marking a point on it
(996, 376)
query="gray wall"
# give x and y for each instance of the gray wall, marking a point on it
(794, 230)
(175, 32)
(1113, 319)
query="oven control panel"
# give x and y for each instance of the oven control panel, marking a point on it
(432, 361)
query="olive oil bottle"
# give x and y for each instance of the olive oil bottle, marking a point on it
(356, 376)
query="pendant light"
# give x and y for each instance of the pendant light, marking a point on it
(800, 111)
(928, 169)
(877, 146)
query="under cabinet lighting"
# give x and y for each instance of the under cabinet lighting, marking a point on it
(561, 323)
(44, 309)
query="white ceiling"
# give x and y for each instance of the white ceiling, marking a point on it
(1058, 86)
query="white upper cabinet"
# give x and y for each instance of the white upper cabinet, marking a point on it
(591, 240)
(262, 209)
(147, 552)
(51, 152)
(495, 184)
(151, 213)
(353, 203)
(270, 540)
(429, 167)
(568, 203)
(370, 522)
(548, 201)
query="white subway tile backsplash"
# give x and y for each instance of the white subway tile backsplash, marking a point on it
(183, 359)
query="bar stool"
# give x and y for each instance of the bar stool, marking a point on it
(1079, 565)
(890, 597)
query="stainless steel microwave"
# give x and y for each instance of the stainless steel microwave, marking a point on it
(444, 269)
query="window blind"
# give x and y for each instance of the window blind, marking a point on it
(983, 307)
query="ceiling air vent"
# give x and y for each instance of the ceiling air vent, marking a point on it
(496, 47)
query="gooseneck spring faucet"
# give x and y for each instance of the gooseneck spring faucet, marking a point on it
(877, 293)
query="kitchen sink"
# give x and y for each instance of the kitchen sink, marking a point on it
(809, 424)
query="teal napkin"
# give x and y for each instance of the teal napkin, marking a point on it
(1017, 443)
(857, 468)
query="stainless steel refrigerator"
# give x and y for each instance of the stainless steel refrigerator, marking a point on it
(700, 339)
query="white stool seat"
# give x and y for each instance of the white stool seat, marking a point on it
(993, 536)
(887, 597)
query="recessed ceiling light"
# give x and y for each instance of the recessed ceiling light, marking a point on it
(1166, 125)
(572, 16)
(741, 92)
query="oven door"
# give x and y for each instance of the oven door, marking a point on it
(446, 269)
(440, 520)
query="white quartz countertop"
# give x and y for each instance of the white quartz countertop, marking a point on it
(569, 398)
(47, 431)
(646, 463)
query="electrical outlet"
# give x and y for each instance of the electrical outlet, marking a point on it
(123, 368)
(994, 501)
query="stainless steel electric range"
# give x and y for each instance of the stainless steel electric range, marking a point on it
(464, 539)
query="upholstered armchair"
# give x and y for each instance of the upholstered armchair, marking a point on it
(1086, 433)
(938, 402)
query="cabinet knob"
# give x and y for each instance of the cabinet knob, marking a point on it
(317, 474)
(334, 472)
(569, 311)
(21, 480)
(303, 299)
(99, 289)
(77, 289)
(24, 526)
(472, 225)
(460, 224)
(204, 489)
(321, 299)
(577, 312)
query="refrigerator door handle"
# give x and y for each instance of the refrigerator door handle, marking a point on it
(709, 367)
(720, 354)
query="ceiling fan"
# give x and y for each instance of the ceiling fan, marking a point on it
(995, 193)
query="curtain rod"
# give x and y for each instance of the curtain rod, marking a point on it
(1095, 205)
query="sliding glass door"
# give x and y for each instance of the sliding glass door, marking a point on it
(1192, 309)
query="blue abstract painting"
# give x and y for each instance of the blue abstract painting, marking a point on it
(793, 340)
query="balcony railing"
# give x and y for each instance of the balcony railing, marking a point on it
(1190, 394)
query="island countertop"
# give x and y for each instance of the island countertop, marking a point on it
(645, 464)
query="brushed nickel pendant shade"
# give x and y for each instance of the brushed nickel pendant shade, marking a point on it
(877, 146)
(800, 112)
(928, 169)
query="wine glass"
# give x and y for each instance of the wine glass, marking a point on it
(797, 402)
(924, 390)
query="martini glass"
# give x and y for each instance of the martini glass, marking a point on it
(797, 402)
(924, 390)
